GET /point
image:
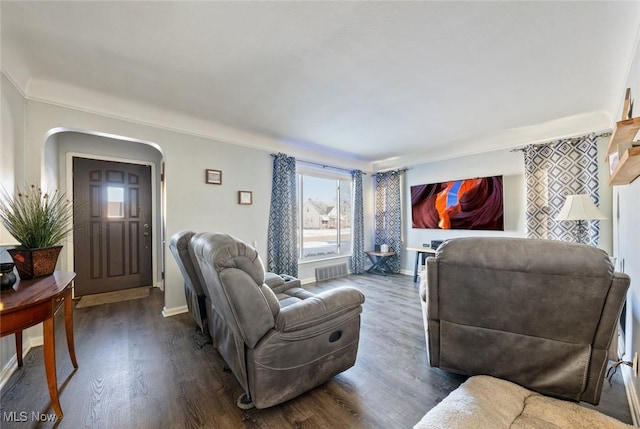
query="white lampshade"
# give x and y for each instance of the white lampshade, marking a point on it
(579, 207)
(6, 239)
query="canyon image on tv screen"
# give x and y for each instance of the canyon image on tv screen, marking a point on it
(459, 204)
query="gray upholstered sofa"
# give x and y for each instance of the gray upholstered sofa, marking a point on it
(538, 313)
(278, 342)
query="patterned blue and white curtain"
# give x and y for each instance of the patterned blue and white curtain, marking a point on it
(357, 230)
(388, 216)
(282, 237)
(553, 171)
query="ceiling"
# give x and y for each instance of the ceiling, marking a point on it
(384, 83)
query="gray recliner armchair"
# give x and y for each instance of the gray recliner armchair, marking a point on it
(278, 343)
(193, 288)
(539, 313)
(285, 286)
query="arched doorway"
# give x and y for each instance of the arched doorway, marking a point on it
(63, 145)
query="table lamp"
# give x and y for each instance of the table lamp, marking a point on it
(580, 208)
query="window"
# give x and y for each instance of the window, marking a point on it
(324, 215)
(115, 202)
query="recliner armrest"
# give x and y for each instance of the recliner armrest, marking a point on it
(273, 280)
(280, 282)
(318, 309)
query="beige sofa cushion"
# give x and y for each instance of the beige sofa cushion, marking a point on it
(488, 402)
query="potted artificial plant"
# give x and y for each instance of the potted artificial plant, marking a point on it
(39, 221)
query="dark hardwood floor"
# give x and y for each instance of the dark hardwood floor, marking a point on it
(140, 370)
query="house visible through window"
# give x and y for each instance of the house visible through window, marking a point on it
(324, 214)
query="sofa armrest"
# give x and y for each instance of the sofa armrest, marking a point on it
(608, 325)
(318, 309)
(422, 289)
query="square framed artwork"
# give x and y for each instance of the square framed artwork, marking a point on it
(213, 177)
(245, 197)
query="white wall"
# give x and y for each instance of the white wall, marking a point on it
(12, 118)
(51, 176)
(627, 243)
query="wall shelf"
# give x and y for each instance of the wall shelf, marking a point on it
(624, 132)
(628, 168)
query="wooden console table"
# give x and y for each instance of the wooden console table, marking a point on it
(35, 301)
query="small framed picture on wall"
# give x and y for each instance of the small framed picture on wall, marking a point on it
(245, 197)
(213, 177)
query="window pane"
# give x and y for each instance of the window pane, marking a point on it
(319, 223)
(324, 216)
(115, 202)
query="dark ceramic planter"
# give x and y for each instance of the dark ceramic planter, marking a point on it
(7, 276)
(33, 263)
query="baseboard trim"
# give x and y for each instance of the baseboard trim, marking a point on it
(632, 395)
(8, 371)
(168, 312)
(12, 365)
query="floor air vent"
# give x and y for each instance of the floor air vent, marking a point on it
(331, 272)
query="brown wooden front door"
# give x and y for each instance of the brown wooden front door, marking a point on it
(111, 225)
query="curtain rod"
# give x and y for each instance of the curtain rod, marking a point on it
(324, 165)
(399, 170)
(570, 140)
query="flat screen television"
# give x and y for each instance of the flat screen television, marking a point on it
(459, 204)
